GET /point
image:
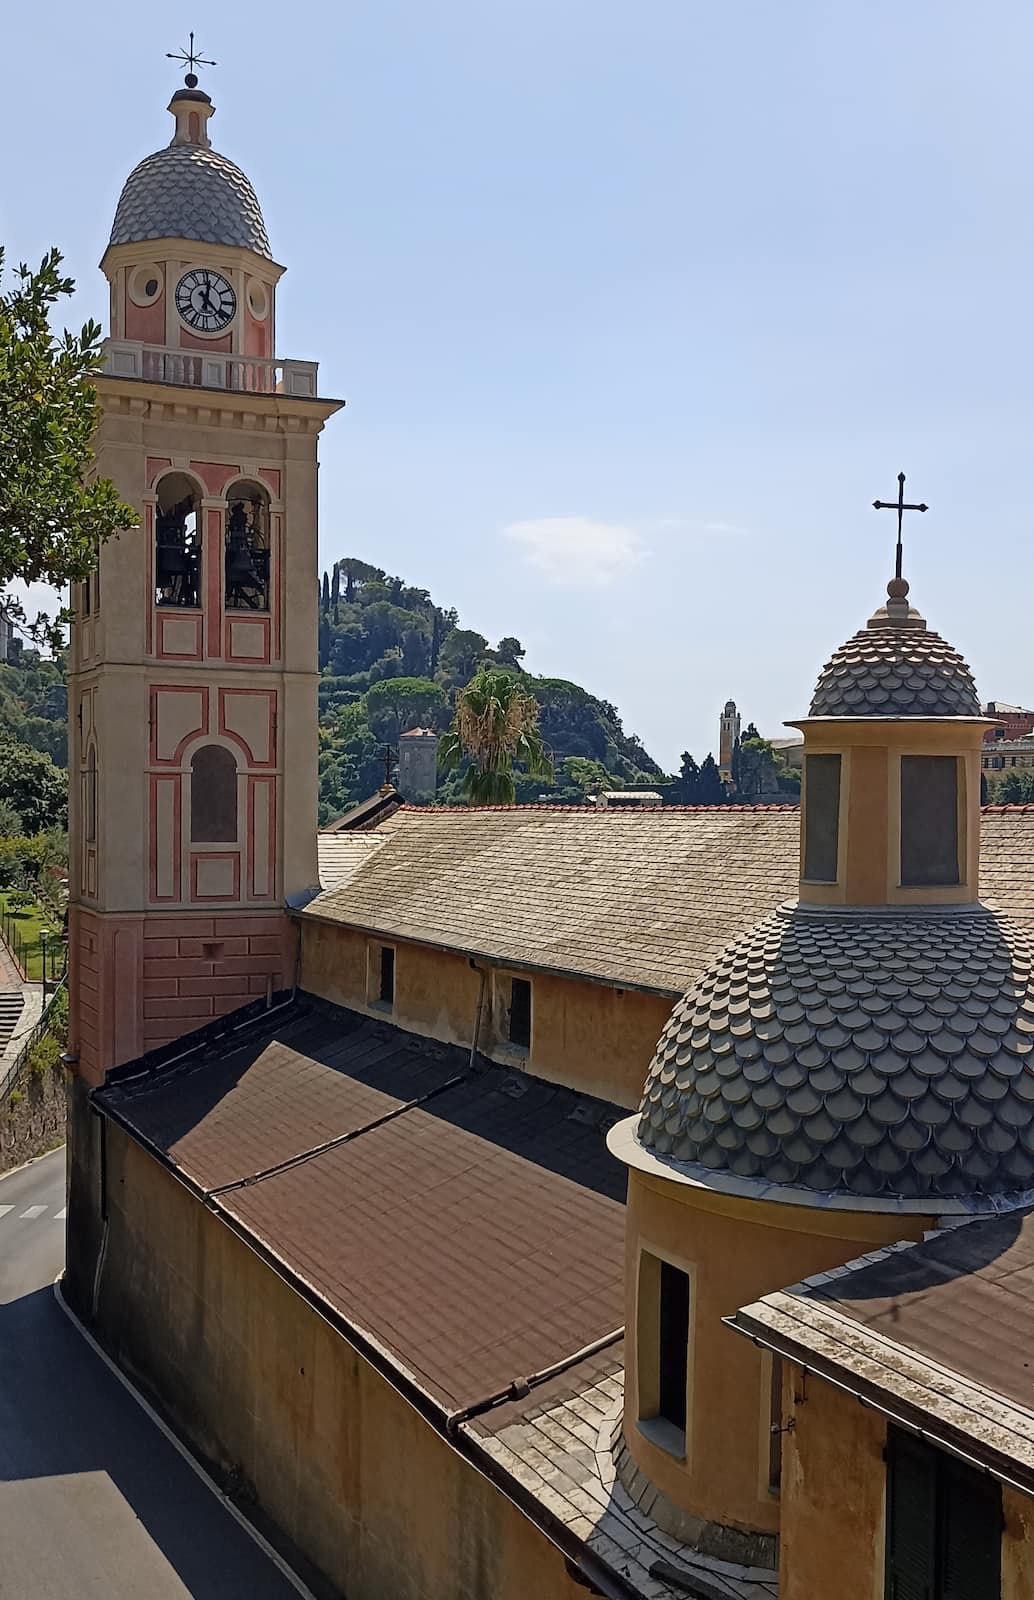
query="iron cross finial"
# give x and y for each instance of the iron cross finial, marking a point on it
(191, 58)
(900, 505)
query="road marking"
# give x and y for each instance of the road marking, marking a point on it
(59, 1216)
(33, 1211)
(5, 1209)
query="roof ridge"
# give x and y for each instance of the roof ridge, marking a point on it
(557, 806)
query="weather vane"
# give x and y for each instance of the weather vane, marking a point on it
(900, 505)
(190, 58)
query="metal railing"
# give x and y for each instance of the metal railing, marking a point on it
(38, 1031)
(199, 369)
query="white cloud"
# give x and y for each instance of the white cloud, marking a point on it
(577, 552)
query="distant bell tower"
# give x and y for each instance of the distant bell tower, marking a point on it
(728, 733)
(192, 683)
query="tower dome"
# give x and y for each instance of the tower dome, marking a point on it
(187, 190)
(895, 667)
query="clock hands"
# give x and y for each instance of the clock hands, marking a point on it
(206, 298)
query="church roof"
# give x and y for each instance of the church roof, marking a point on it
(895, 667)
(866, 1052)
(634, 898)
(189, 191)
(461, 1222)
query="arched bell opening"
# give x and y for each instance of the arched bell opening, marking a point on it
(247, 547)
(177, 542)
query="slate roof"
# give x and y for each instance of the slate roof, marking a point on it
(848, 1051)
(936, 1333)
(469, 1222)
(640, 899)
(185, 191)
(895, 667)
(342, 854)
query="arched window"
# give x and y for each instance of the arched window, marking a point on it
(247, 547)
(177, 543)
(213, 796)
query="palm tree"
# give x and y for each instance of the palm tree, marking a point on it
(495, 724)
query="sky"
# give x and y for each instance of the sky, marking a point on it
(635, 308)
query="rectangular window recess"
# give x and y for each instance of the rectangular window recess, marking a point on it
(519, 1033)
(386, 989)
(673, 1351)
(821, 818)
(929, 821)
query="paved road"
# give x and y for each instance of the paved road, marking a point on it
(94, 1502)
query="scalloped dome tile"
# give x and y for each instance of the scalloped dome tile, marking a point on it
(935, 1109)
(187, 191)
(895, 667)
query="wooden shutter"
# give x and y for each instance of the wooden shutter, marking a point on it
(911, 1518)
(970, 1533)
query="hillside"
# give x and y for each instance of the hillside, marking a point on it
(390, 658)
(376, 630)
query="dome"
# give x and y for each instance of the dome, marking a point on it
(190, 191)
(895, 667)
(868, 1053)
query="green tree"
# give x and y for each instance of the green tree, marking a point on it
(496, 725)
(325, 593)
(461, 653)
(356, 572)
(33, 787)
(585, 778)
(395, 704)
(10, 822)
(54, 515)
(687, 784)
(509, 652)
(711, 789)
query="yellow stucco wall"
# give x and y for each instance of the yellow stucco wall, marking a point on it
(259, 1382)
(834, 1501)
(589, 1036)
(832, 1494)
(735, 1250)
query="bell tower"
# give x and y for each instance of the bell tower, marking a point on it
(192, 683)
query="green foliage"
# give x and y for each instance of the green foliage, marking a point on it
(33, 787)
(34, 703)
(395, 704)
(54, 514)
(495, 730)
(711, 791)
(1012, 788)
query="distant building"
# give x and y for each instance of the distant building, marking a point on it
(1006, 753)
(728, 733)
(418, 763)
(1013, 721)
(791, 751)
(628, 797)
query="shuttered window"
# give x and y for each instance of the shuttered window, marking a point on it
(386, 988)
(944, 1525)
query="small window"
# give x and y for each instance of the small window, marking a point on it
(821, 818)
(673, 1352)
(944, 1525)
(929, 821)
(386, 987)
(213, 796)
(520, 1013)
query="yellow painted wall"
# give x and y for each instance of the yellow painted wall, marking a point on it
(834, 1500)
(735, 1250)
(832, 1494)
(589, 1036)
(257, 1381)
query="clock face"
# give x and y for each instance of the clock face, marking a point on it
(205, 300)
